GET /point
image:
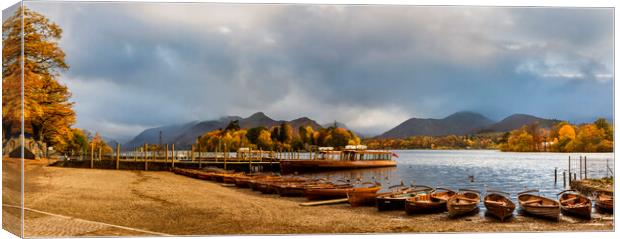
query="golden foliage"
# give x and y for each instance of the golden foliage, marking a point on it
(47, 110)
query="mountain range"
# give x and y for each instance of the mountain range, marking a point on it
(184, 135)
(460, 123)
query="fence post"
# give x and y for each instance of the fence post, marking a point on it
(569, 174)
(118, 154)
(225, 155)
(166, 157)
(580, 169)
(585, 167)
(173, 155)
(92, 149)
(564, 177)
(192, 152)
(146, 161)
(199, 158)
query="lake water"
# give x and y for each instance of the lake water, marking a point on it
(505, 171)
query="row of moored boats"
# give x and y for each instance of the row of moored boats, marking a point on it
(415, 199)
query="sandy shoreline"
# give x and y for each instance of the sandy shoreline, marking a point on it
(172, 204)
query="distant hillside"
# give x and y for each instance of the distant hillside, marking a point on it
(516, 121)
(151, 136)
(463, 123)
(183, 136)
(458, 123)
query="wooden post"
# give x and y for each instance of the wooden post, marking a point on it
(173, 155)
(100, 153)
(118, 154)
(146, 158)
(92, 149)
(585, 167)
(144, 152)
(555, 174)
(225, 156)
(569, 174)
(250, 163)
(199, 158)
(166, 155)
(192, 152)
(564, 177)
(580, 168)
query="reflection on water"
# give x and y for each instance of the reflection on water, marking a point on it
(509, 172)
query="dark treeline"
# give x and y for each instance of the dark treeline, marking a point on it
(478, 141)
(281, 138)
(562, 137)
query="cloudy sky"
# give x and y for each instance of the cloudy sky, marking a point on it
(140, 65)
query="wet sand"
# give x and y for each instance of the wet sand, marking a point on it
(166, 203)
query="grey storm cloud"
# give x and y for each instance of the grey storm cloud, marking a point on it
(140, 65)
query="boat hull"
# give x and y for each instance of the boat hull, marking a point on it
(386, 204)
(539, 206)
(577, 205)
(363, 196)
(604, 202)
(326, 193)
(291, 166)
(499, 206)
(423, 204)
(463, 204)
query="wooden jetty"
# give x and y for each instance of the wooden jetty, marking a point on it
(244, 160)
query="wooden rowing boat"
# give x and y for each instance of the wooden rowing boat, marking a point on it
(464, 202)
(274, 186)
(539, 206)
(396, 200)
(604, 201)
(291, 189)
(295, 188)
(243, 181)
(498, 204)
(434, 201)
(230, 178)
(363, 196)
(575, 204)
(327, 191)
(254, 182)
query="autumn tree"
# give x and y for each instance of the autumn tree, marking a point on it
(521, 141)
(286, 133)
(47, 111)
(253, 134)
(565, 140)
(98, 143)
(77, 144)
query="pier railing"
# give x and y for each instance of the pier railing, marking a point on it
(253, 160)
(581, 168)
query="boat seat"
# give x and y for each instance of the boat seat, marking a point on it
(497, 203)
(533, 201)
(569, 200)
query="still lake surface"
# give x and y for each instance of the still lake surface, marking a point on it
(506, 171)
